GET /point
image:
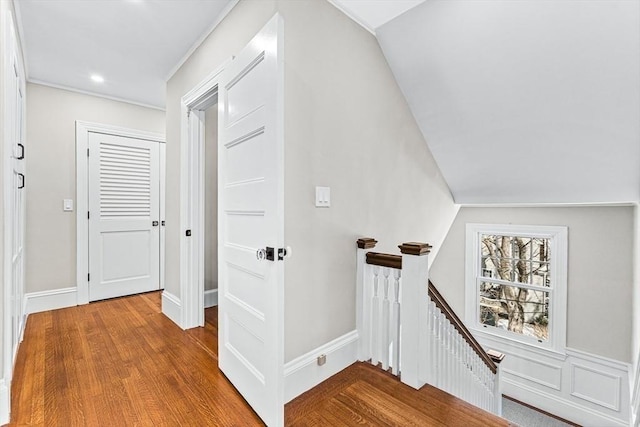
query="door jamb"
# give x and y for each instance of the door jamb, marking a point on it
(82, 196)
(192, 179)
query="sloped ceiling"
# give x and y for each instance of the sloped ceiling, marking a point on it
(134, 44)
(525, 101)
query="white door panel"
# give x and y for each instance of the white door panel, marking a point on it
(124, 205)
(251, 217)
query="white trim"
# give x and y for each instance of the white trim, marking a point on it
(36, 302)
(97, 95)
(5, 403)
(303, 373)
(355, 18)
(558, 236)
(600, 360)
(191, 193)
(171, 307)
(20, 31)
(559, 406)
(616, 402)
(82, 193)
(549, 205)
(210, 298)
(202, 38)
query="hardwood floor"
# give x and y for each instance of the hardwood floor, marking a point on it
(365, 395)
(121, 362)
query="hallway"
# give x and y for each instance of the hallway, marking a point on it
(121, 362)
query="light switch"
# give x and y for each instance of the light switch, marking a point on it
(67, 205)
(323, 197)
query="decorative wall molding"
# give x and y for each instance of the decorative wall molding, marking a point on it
(5, 403)
(210, 298)
(36, 302)
(581, 387)
(171, 307)
(303, 373)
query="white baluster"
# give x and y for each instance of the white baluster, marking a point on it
(396, 322)
(384, 348)
(375, 318)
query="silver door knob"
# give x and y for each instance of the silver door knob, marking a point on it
(261, 254)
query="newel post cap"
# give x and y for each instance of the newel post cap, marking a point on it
(366, 243)
(415, 248)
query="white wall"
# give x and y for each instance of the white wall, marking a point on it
(347, 126)
(51, 233)
(600, 276)
(635, 371)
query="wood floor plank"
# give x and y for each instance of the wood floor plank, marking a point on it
(121, 362)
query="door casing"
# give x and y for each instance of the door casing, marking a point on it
(82, 196)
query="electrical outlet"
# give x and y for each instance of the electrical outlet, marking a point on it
(322, 359)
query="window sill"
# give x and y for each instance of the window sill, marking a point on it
(510, 345)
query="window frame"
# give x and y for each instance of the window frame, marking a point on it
(558, 243)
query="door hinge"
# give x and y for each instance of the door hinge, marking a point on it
(87, 152)
(88, 214)
(88, 277)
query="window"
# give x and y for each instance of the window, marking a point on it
(516, 283)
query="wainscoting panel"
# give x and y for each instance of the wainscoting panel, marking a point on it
(584, 388)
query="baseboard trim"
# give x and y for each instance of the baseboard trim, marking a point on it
(5, 403)
(560, 407)
(36, 302)
(210, 298)
(171, 307)
(303, 373)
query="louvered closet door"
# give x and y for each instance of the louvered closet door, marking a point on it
(124, 194)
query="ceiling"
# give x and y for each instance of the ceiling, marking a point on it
(525, 101)
(519, 101)
(134, 44)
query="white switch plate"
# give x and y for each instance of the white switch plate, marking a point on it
(323, 197)
(67, 205)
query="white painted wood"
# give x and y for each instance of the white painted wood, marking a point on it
(210, 298)
(384, 348)
(171, 307)
(124, 202)
(163, 210)
(83, 129)
(251, 157)
(395, 323)
(303, 373)
(193, 105)
(13, 119)
(364, 291)
(375, 317)
(599, 395)
(414, 300)
(36, 302)
(5, 403)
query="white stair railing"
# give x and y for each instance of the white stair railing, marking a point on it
(432, 345)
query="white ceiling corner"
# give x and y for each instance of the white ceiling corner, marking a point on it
(134, 44)
(372, 14)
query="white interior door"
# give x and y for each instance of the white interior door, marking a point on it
(17, 211)
(251, 218)
(124, 216)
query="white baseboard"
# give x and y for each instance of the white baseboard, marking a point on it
(210, 298)
(171, 307)
(35, 302)
(5, 403)
(585, 388)
(559, 406)
(303, 373)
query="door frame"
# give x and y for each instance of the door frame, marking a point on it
(82, 196)
(192, 216)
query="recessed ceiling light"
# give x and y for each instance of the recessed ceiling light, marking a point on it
(97, 78)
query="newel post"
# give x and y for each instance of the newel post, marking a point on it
(497, 357)
(414, 303)
(363, 299)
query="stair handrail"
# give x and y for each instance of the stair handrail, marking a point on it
(453, 318)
